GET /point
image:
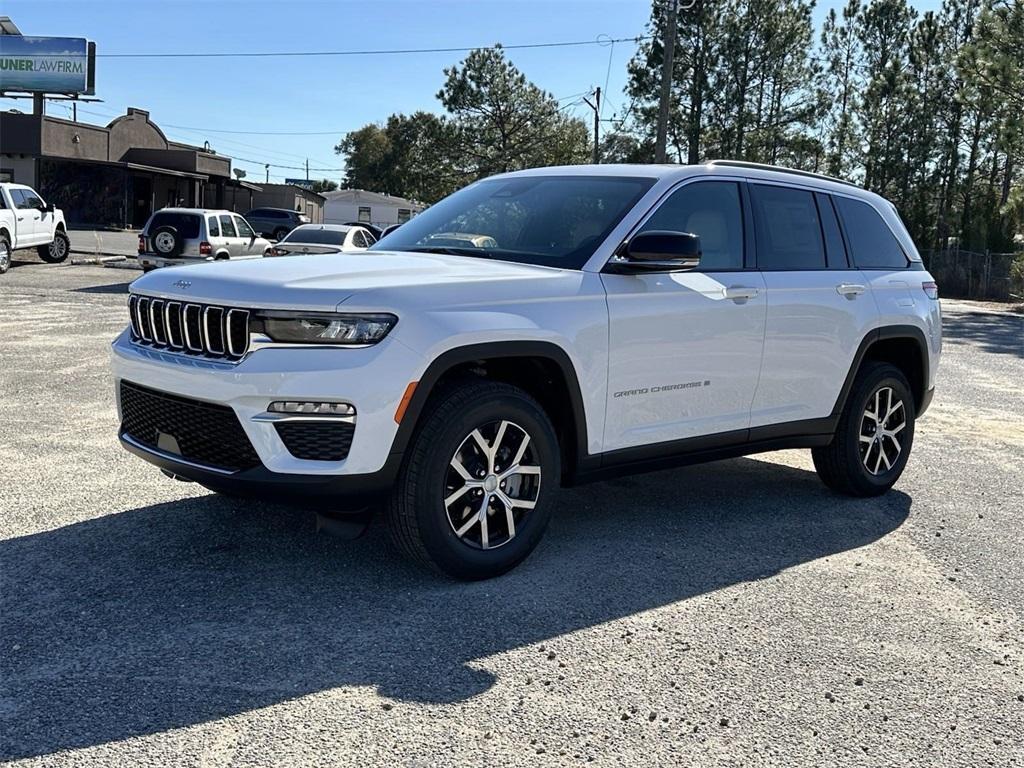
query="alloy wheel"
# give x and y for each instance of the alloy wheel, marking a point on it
(492, 484)
(884, 419)
(58, 248)
(5, 256)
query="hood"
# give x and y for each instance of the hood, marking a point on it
(323, 281)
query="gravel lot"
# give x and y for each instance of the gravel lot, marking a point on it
(722, 615)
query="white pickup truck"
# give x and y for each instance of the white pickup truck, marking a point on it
(26, 221)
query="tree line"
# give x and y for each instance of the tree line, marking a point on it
(925, 109)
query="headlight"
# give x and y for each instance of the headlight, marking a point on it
(302, 328)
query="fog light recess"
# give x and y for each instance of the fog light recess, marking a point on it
(300, 408)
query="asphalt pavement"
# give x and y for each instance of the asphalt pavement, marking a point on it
(729, 614)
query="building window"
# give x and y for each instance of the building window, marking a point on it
(6, 175)
(364, 214)
(404, 214)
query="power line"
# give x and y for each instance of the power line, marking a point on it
(602, 41)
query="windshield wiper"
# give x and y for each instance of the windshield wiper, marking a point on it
(446, 249)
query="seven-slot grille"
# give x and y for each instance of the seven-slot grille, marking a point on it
(188, 328)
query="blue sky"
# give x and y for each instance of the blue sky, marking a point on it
(335, 94)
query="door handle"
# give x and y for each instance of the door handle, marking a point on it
(850, 290)
(21, 218)
(740, 292)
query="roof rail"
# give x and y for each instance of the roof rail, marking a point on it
(778, 169)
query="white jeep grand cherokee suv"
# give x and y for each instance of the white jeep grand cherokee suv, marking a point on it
(537, 329)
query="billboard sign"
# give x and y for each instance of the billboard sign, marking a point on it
(47, 65)
(304, 183)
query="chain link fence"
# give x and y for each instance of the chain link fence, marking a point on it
(975, 275)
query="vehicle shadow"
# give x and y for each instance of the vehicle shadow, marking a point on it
(1000, 333)
(186, 612)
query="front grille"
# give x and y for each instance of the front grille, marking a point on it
(194, 329)
(316, 440)
(200, 432)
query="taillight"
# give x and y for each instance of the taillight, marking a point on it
(931, 290)
(142, 243)
(205, 249)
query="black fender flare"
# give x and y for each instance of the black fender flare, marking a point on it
(452, 358)
(882, 334)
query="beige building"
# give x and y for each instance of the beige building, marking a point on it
(292, 198)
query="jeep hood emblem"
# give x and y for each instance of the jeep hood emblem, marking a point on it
(183, 284)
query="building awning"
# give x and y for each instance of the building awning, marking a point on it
(164, 171)
(244, 184)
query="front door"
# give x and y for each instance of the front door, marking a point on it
(30, 228)
(248, 245)
(685, 347)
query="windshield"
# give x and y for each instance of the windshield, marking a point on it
(553, 221)
(315, 235)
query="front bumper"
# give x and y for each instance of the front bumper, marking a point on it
(372, 379)
(352, 491)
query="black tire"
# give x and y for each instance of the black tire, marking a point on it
(416, 514)
(166, 241)
(279, 234)
(847, 465)
(58, 250)
(5, 254)
(147, 268)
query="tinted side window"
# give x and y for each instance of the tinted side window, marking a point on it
(872, 243)
(788, 229)
(213, 226)
(711, 210)
(834, 246)
(19, 198)
(227, 226)
(244, 230)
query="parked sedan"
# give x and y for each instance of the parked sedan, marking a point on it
(324, 238)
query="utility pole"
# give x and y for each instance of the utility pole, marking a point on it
(266, 167)
(596, 106)
(307, 169)
(668, 45)
(74, 111)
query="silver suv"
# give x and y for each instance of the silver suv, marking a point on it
(175, 236)
(275, 222)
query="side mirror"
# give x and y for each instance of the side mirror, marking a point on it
(660, 250)
(49, 208)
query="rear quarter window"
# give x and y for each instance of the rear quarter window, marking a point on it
(872, 243)
(186, 224)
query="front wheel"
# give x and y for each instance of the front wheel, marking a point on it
(279, 234)
(473, 497)
(58, 250)
(875, 433)
(5, 254)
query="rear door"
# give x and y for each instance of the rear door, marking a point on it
(230, 235)
(685, 347)
(819, 308)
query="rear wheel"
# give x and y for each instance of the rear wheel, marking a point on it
(279, 234)
(875, 433)
(473, 497)
(58, 250)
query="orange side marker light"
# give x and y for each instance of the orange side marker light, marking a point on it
(404, 403)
